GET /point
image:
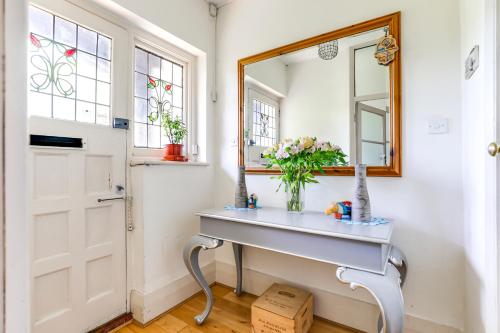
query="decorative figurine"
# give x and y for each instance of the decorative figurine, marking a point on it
(340, 210)
(386, 49)
(241, 194)
(361, 203)
(252, 201)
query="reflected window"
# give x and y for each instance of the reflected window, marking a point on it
(69, 70)
(264, 123)
(371, 106)
(372, 127)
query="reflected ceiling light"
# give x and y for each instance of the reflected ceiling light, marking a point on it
(328, 50)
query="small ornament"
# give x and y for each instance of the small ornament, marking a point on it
(340, 210)
(386, 49)
(252, 201)
(241, 194)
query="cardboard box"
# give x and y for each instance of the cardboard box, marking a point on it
(282, 309)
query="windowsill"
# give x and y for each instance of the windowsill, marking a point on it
(157, 161)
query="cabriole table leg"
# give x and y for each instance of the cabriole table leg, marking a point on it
(386, 290)
(190, 254)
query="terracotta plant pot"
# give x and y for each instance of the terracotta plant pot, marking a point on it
(173, 152)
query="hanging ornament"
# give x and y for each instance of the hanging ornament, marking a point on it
(386, 49)
(328, 50)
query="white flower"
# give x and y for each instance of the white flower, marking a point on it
(325, 146)
(294, 149)
(336, 148)
(282, 154)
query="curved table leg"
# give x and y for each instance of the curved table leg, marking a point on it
(398, 259)
(385, 289)
(190, 254)
(238, 257)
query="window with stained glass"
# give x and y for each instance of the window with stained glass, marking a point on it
(69, 70)
(265, 122)
(159, 88)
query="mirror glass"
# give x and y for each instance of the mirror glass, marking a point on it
(335, 91)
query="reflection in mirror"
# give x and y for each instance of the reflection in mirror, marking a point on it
(335, 91)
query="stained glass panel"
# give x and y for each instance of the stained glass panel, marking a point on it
(264, 124)
(104, 47)
(65, 32)
(158, 89)
(69, 70)
(102, 114)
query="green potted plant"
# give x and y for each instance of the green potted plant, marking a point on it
(298, 160)
(176, 131)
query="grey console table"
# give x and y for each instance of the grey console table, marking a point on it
(364, 254)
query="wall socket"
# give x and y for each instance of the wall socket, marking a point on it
(438, 126)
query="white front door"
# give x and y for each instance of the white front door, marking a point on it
(78, 82)
(77, 233)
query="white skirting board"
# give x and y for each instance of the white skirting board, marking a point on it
(341, 309)
(146, 307)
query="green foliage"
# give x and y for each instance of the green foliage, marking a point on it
(175, 128)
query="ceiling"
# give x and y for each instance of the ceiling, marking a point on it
(345, 43)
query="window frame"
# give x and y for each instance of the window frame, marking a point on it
(255, 92)
(161, 48)
(360, 108)
(258, 95)
(90, 16)
(79, 21)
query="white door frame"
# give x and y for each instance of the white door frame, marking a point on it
(2, 196)
(17, 301)
(493, 164)
(496, 129)
(492, 171)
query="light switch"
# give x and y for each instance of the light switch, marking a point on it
(437, 126)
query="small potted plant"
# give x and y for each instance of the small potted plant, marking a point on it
(176, 131)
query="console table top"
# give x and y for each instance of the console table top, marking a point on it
(308, 222)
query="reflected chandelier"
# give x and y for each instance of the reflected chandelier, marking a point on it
(328, 50)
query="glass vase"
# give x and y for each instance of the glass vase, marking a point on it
(295, 198)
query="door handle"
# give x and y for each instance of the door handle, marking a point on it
(110, 199)
(493, 149)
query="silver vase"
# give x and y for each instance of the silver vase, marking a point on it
(361, 211)
(241, 194)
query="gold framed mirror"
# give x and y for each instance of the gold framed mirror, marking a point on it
(331, 87)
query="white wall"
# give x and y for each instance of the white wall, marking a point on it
(166, 197)
(271, 73)
(318, 102)
(426, 202)
(478, 119)
(17, 304)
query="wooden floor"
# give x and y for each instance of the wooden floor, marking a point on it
(230, 314)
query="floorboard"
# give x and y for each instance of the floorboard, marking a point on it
(230, 314)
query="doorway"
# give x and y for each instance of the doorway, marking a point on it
(76, 168)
